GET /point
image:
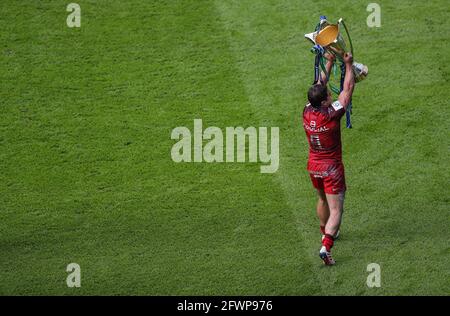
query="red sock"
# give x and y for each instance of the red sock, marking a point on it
(322, 229)
(328, 242)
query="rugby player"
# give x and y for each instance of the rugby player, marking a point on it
(321, 121)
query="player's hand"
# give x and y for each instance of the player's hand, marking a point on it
(348, 58)
(330, 57)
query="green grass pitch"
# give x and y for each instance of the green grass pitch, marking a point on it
(86, 174)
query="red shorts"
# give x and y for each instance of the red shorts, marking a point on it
(327, 177)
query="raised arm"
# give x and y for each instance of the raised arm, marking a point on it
(349, 82)
(330, 61)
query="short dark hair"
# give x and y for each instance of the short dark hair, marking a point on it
(316, 94)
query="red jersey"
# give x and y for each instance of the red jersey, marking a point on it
(323, 130)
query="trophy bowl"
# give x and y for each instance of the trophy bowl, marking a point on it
(332, 40)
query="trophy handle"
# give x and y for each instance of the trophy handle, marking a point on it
(341, 21)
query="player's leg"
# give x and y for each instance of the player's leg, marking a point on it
(336, 207)
(334, 187)
(335, 204)
(323, 212)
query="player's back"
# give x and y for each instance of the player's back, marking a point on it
(323, 130)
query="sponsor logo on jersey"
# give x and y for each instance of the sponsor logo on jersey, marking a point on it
(314, 129)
